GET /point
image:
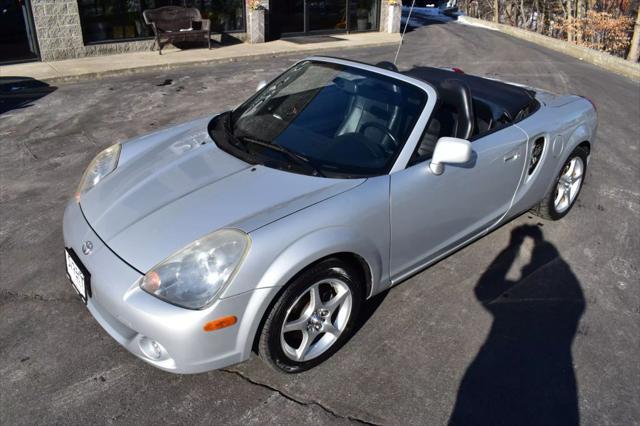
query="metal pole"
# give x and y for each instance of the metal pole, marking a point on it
(406, 24)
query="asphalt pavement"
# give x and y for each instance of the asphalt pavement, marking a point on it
(439, 347)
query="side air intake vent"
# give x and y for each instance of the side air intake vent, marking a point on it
(536, 154)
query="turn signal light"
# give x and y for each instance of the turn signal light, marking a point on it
(219, 323)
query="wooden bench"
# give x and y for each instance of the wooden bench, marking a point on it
(173, 24)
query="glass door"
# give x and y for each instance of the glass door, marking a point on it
(327, 15)
(17, 37)
(363, 15)
(287, 17)
(303, 17)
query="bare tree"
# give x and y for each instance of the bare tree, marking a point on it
(569, 18)
(579, 16)
(634, 51)
(606, 25)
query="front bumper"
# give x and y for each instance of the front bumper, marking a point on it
(129, 314)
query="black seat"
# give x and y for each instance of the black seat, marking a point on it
(373, 110)
(453, 116)
(455, 95)
(387, 66)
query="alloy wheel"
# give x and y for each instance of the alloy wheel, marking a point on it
(316, 319)
(568, 184)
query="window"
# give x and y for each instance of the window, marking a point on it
(363, 15)
(289, 17)
(225, 15)
(113, 20)
(343, 120)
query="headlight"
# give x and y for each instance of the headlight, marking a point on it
(103, 164)
(195, 275)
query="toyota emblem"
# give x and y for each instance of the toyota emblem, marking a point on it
(87, 247)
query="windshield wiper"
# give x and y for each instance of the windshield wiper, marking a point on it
(297, 158)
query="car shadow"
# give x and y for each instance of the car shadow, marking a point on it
(21, 92)
(369, 307)
(523, 373)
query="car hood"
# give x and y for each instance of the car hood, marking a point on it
(176, 186)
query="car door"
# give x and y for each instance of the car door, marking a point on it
(431, 215)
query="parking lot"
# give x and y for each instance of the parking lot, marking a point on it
(430, 348)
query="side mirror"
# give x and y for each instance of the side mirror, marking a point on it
(451, 151)
(261, 85)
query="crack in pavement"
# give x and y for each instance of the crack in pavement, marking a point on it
(299, 401)
(10, 296)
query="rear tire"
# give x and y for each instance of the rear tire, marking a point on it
(566, 188)
(313, 318)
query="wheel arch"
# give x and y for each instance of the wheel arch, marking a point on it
(344, 242)
(358, 263)
(361, 266)
(586, 145)
(340, 241)
(580, 137)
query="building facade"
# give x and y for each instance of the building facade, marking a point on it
(61, 29)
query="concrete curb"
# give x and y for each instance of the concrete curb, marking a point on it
(595, 57)
(211, 61)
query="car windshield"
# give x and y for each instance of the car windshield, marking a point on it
(329, 120)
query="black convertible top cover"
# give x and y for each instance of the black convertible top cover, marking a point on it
(512, 99)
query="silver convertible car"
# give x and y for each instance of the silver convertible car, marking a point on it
(269, 226)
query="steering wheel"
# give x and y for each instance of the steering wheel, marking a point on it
(384, 130)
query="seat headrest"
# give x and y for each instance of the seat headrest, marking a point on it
(379, 92)
(456, 94)
(387, 66)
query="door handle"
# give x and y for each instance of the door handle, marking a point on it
(511, 156)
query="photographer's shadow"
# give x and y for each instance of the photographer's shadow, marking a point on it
(523, 374)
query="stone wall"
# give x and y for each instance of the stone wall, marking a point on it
(595, 57)
(257, 21)
(59, 33)
(58, 28)
(384, 15)
(390, 17)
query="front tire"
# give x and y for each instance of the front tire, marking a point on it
(313, 318)
(566, 187)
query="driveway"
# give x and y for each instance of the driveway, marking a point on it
(565, 325)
